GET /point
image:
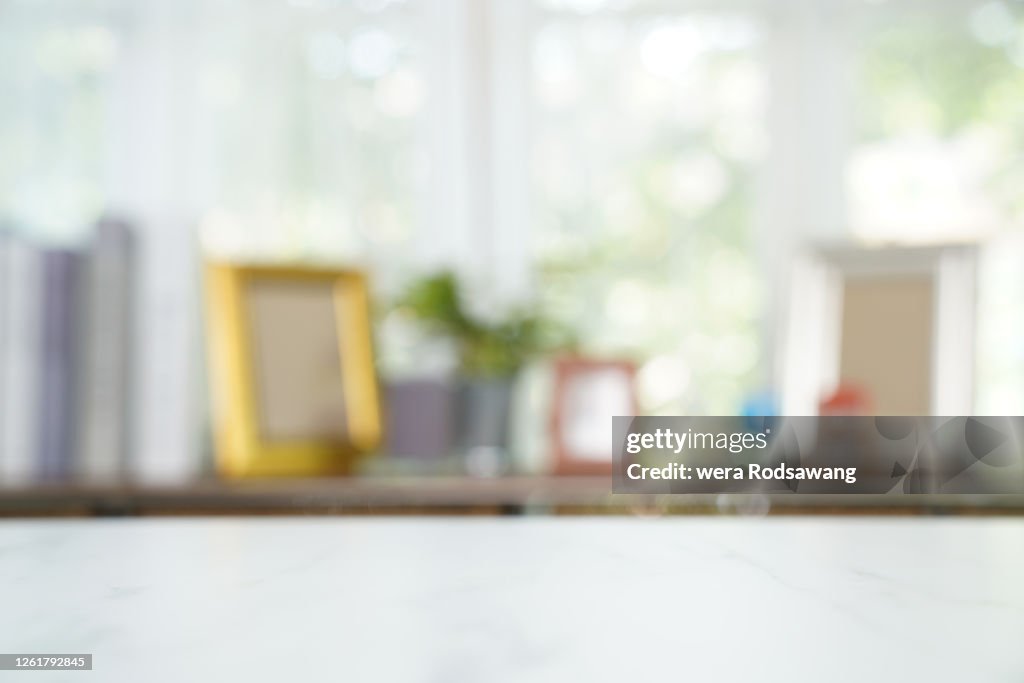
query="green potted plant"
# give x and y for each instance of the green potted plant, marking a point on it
(491, 352)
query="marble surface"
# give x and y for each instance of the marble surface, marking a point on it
(534, 599)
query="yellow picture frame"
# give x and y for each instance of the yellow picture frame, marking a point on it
(242, 449)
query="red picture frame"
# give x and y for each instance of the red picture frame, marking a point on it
(567, 419)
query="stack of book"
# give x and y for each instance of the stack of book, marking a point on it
(67, 347)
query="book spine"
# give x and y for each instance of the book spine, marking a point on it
(167, 448)
(5, 249)
(60, 275)
(106, 354)
(20, 361)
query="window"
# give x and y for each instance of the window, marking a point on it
(314, 111)
(285, 129)
(647, 141)
(56, 84)
(938, 140)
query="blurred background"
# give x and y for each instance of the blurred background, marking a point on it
(634, 179)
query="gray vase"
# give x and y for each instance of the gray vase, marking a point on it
(421, 415)
(485, 406)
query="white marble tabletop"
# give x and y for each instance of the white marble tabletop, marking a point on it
(529, 599)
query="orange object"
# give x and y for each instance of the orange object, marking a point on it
(847, 399)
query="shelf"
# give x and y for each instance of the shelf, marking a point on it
(454, 495)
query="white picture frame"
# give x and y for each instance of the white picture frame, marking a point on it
(812, 338)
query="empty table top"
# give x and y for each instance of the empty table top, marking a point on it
(518, 599)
